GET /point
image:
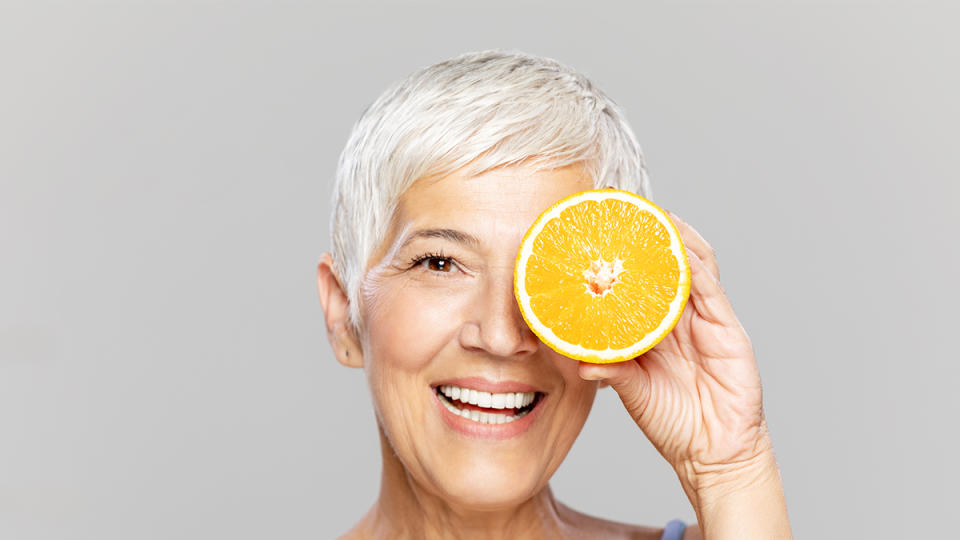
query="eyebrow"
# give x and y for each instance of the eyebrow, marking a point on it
(452, 235)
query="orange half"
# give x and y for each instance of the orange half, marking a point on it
(602, 276)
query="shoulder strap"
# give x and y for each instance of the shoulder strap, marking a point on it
(673, 530)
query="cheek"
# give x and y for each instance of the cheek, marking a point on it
(411, 324)
(580, 392)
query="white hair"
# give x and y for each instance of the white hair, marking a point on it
(476, 112)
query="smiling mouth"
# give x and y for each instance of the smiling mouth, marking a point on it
(487, 407)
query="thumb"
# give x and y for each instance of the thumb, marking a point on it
(628, 379)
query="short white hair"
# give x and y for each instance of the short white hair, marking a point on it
(476, 112)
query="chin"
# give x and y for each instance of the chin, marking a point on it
(485, 484)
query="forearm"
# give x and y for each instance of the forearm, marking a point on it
(743, 503)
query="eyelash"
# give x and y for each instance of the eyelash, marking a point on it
(416, 261)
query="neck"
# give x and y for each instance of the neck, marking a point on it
(405, 509)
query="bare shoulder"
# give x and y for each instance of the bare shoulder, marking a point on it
(578, 525)
(586, 526)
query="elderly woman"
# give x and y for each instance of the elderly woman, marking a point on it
(438, 182)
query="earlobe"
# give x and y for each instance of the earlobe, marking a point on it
(336, 312)
(345, 346)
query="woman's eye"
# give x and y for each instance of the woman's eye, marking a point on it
(434, 263)
(438, 264)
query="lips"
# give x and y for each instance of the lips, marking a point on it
(478, 406)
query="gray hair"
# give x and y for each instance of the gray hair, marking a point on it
(476, 112)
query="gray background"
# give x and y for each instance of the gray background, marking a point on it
(165, 172)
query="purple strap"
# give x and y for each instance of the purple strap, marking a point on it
(673, 530)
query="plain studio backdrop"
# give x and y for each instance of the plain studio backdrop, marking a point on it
(165, 180)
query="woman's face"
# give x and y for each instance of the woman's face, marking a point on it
(441, 323)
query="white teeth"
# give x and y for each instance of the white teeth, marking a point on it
(491, 400)
(483, 399)
(508, 400)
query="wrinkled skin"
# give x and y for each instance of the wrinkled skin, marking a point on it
(696, 395)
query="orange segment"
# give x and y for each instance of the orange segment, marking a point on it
(602, 276)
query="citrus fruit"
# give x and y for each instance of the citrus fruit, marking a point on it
(602, 276)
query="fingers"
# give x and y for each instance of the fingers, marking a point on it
(693, 240)
(628, 379)
(706, 294)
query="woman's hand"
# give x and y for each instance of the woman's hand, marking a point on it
(696, 395)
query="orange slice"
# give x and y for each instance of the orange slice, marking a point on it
(602, 276)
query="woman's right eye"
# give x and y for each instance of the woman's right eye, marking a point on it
(434, 263)
(439, 264)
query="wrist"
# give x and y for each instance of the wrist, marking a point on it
(741, 500)
(744, 456)
(709, 481)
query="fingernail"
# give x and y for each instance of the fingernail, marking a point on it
(591, 375)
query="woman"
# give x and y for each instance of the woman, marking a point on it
(439, 180)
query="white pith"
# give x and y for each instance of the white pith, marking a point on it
(509, 401)
(603, 275)
(609, 354)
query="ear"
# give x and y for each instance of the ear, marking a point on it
(336, 311)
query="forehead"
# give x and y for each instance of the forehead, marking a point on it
(498, 204)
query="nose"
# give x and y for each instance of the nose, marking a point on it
(496, 325)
